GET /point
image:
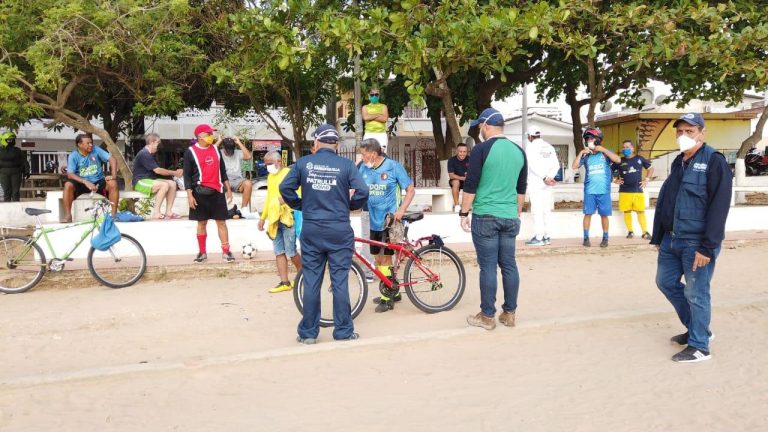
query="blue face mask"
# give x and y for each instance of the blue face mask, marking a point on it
(374, 99)
(626, 152)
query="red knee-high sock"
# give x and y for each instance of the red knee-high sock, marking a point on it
(201, 242)
(225, 247)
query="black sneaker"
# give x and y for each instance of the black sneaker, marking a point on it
(398, 297)
(691, 355)
(682, 339)
(587, 243)
(647, 236)
(201, 257)
(630, 234)
(547, 241)
(604, 243)
(385, 306)
(228, 257)
(353, 336)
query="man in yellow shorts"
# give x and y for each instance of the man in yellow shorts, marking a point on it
(632, 182)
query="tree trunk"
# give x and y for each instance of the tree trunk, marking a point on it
(444, 93)
(594, 92)
(753, 139)
(437, 130)
(575, 106)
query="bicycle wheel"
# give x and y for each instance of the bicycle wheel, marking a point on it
(358, 292)
(435, 280)
(119, 266)
(22, 264)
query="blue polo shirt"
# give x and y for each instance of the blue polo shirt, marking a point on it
(385, 183)
(598, 178)
(88, 167)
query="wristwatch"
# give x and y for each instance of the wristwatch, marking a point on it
(463, 214)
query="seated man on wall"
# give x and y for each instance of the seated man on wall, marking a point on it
(457, 173)
(233, 160)
(146, 178)
(86, 175)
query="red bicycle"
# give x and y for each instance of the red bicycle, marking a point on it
(433, 276)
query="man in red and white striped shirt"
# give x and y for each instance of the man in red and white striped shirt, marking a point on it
(205, 177)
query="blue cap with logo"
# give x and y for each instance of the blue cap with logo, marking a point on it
(489, 116)
(694, 119)
(326, 133)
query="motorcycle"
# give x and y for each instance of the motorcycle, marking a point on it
(756, 163)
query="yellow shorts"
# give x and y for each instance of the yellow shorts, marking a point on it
(631, 201)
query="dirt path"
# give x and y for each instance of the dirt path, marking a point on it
(590, 353)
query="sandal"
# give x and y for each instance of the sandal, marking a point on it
(172, 216)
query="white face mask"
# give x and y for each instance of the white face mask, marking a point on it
(272, 169)
(685, 143)
(591, 145)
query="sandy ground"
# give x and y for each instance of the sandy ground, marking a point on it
(590, 353)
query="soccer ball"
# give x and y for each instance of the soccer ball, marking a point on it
(249, 251)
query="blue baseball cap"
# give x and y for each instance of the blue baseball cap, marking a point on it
(694, 119)
(326, 133)
(489, 116)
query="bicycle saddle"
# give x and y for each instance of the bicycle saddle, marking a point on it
(35, 212)
(413, 217)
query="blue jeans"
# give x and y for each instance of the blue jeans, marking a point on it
(494, 240)
(691, 299)
(320, 244)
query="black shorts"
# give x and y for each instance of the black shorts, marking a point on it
(101, 187)
(461, 183)
(212, 206)
(382, 236)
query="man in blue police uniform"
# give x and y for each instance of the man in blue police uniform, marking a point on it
(326, 235)
(688, 229)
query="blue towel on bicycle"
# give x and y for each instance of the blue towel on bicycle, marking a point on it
(126, 216)
(108, 234)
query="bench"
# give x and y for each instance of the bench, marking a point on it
(54, 201)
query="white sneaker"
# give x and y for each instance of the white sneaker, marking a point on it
(456, 208)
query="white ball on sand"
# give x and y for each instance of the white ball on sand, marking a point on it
(249, 251)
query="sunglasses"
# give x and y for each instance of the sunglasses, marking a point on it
(373, 94)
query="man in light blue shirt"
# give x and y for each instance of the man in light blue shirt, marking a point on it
(596, 161)
(386, 179)
(85, 174)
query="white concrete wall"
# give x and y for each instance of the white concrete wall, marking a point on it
(179, 237)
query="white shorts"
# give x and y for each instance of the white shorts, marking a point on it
(381, 137)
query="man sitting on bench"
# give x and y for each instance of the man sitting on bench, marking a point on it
(85, 174)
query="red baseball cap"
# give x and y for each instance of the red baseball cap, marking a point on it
(204, 128)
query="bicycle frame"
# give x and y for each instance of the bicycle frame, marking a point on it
(403, 250)
(40, 231)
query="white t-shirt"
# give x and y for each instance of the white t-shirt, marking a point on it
(234, 164)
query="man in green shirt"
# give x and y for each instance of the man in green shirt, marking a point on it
(495, 190)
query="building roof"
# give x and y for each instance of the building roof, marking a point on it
(737, 115)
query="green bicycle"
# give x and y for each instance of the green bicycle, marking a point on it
(23, 263)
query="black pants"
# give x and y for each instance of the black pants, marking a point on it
(11, 184)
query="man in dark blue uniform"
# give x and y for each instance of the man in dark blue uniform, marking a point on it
(326, 235)
(688, 230)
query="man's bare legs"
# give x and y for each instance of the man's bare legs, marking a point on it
(113, 194)
(170, 197)
(159, 190)
(455, 189)
(69, 198)
(246, 187)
